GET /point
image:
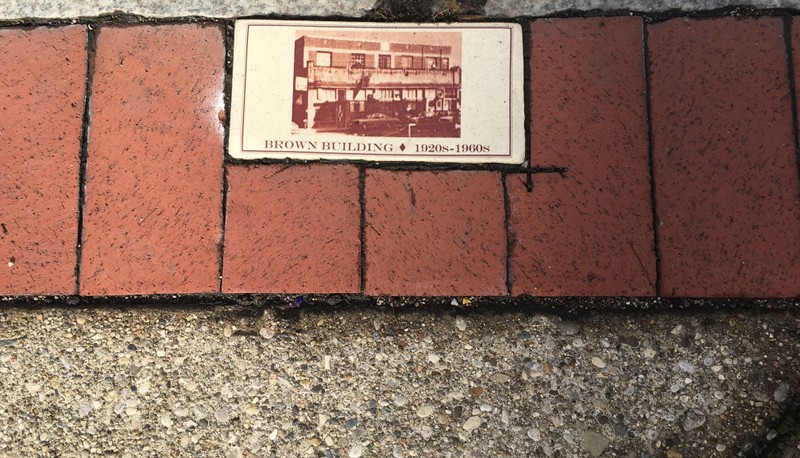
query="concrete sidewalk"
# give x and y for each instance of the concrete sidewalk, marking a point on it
(381, 382)
(55, 9)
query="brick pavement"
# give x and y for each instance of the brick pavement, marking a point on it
(679, 137)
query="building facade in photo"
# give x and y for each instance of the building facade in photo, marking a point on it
(338, 81)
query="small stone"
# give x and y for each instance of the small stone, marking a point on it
(620, 429)
(781, 393)
(476, 390)
(534, 434)
(472, 423)
(672, 453)
(597, 362)
(314, 441)
(356, 451)
(594, 443)
(351, 423)
(694, 419)
(166, 420)
(454, 303)
(33, 387)
(524, 335)
(649, 353)
(461, 325)
(376, 323)
(721, 447)
(426, 432)
(500, 378)
(397, 452)
(222, 415)
(434, 358)
(771, 434)
(486, 407)
(266, 333)
(425, 411)
(400, 400)
(568, 327)
(227, 331)
(81, 320)
(686, 366)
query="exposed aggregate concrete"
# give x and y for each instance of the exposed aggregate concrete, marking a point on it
(232, 381)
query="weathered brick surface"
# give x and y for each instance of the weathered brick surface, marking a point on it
(435, 233)
(725, 171)
(42, 83)
(589, 233)
(292, 229)
(153, 199)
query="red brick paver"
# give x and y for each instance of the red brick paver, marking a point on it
(435, 233)
(292, 229)
(725, 171)
(153, 191)
(42, 83)
(589, 233)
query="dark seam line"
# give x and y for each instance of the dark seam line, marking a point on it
(362, 200)
(787, 38)
(224, 210)
(227, 83)
(91, 49)
(255, 303)
(650, 153)
(127, 19)
(507, 223)
(527, 85)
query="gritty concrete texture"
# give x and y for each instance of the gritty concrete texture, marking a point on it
(589, 232)
(381, 382)
(42, 75)
(724, 159)
(159, 8)
(15, 9)
(153, 218)
(435, 233)
(507, 8)
(293, 229)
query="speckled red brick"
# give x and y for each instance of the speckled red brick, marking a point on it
(435, 233)
(42, 83)
(292, 229)
(590, 232)
(725, 167)
(153, 192)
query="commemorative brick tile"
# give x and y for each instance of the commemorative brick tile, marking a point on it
(292, 229)
(724, 158)
(590, 232)
(153, 192)
(43, 73)
(435, 233)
